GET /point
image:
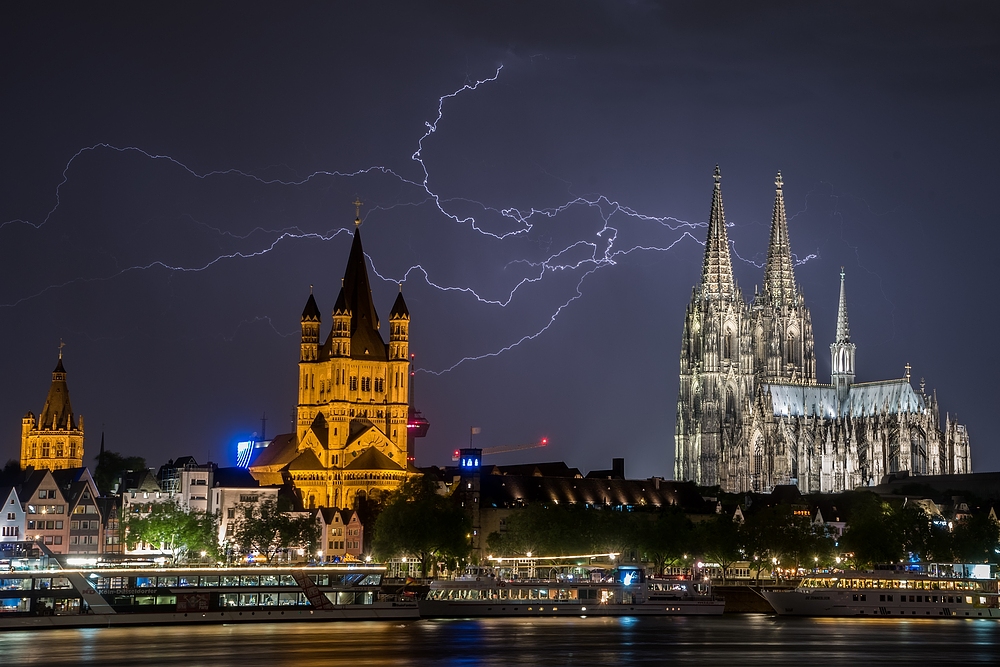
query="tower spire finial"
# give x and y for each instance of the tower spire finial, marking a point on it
(61, 346)
(357, 211)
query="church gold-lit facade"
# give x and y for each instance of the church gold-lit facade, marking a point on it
(751, 414)
(53, 441)
(350, 440)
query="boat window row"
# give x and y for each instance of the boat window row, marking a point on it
(511, 593)
(209, 581)
(234, 580)
(918, 584)
(40, 583)
(932, 599)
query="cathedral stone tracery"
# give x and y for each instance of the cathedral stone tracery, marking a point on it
(750, 413)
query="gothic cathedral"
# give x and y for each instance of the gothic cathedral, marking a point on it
(353, 402)
(55, 440)
(750, 412)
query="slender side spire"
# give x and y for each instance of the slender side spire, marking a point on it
(843, 327)
(717, 272)
(842, 349)
(779, 281)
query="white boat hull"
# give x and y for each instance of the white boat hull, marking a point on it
(494, 608)
(370, 612)
(832, 602)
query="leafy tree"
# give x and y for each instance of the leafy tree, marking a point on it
(873, 534)
(976, 539)
(417, 521)
(111, 466)
(721, 541)
(174, 529)
(264, 528)
(668, 537)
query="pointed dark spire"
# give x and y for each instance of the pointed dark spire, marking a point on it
(843, 327)
(717, 271)
(366, 343)
(311, 312)
(58, 409)
(357, 290)
(779, 281)
(399, 308)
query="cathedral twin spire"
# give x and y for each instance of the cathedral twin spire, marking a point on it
(717, 273)
(779, 281)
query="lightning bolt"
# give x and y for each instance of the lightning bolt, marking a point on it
(600, 251)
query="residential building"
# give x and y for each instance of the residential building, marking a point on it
(45, 509)
(12, 516)
(85, 522)
(341, 534)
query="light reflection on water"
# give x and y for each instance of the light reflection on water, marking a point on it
(729, 640)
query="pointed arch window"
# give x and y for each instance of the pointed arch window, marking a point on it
(730, 404)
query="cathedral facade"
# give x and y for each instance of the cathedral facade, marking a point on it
(53, 440)
(353, 400)
(751, 413)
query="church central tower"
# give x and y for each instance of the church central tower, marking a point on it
(353, 397)
(55, 440)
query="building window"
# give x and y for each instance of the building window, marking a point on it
(45, 450)
(354, 383)
(366, 384)
(231, 513)
(379, 385)
(43, 493)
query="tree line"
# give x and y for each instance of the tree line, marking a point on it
(419, 522)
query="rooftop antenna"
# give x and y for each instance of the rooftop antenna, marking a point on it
(263, 427)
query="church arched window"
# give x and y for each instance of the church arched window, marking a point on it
(730, 404)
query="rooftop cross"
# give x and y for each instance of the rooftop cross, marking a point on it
(907, 367)
(357, 210)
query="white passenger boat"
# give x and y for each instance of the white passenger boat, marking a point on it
(626, 592)
(95, 597)
(887, 594)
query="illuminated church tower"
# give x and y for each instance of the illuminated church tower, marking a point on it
(351, 416)
(55, 440)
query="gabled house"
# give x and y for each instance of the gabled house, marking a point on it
(45, 510)
(342, 535)
(85, 523)
(12, 517)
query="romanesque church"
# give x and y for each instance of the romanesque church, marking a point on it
(353, 400)
(750, 412)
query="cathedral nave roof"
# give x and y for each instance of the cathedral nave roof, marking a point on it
(863, 399)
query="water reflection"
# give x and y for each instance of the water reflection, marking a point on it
(729, 640)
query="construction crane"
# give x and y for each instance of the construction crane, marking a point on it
(503, 449)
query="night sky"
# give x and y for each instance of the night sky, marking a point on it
(173, 180)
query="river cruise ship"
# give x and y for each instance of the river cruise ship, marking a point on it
(99, 596)
(626, 591)
(888, 594)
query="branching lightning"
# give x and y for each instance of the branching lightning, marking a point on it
(599, 252)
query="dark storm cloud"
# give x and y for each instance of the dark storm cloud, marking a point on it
(880, 116)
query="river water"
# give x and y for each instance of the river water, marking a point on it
(738, 640)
